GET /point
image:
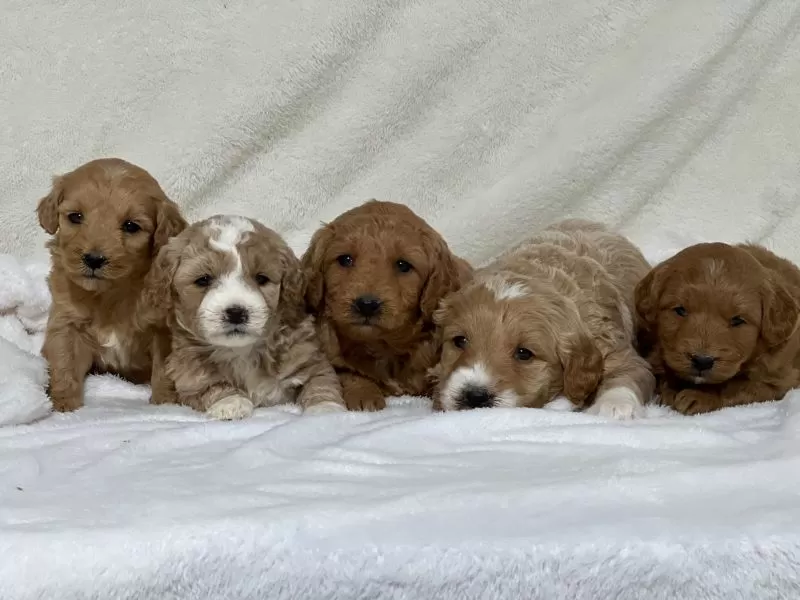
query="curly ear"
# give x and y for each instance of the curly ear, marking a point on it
(293, 288)
(583, 369)
(169, 223)
(313, 266)
(47, 210)
(449, 274)
(157, 293)
(780, 312)
(646, 297)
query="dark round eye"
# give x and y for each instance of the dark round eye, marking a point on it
(404, 266)
(737, 321)
(75, 217)
(262, 279)
(203, 281)
(130, 227)
(460, 342)
(523, 354)
(680, 311)
(345, 260)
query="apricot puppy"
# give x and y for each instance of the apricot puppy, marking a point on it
(720, 326)
(376, 274)
(552, 316)
(108, 219)
(240, 335)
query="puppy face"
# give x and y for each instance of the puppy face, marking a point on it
(376, 269)
(228, 280)
(109, 218)
(710, 308)
(510, 343)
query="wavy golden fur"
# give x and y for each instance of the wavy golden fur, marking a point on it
(552, 316)
(108, 219)
(720, 326)
(375, 276)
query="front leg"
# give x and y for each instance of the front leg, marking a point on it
(739, 392)
(322, 392)
(361, 393)
(695, 401)
(69, 358)
(200, 388)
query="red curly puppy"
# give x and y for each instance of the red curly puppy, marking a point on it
(720, 326)
(375, 277)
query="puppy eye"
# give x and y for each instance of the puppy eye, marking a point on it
(404, 266)
(203, 281)
(680, 311)
(130, 227)
(262, 279)
(345, 260)
(75, 217)
(460, 342)
(737, 321)
(523, 354)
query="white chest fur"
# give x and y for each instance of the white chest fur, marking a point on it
(115, 351)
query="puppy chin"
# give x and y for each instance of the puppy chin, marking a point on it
(91, 284)
(232, 339)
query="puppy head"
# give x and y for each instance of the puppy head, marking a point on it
(228, 280)
(379, 269)
(109, 219)
(507, 342)
(710, 308)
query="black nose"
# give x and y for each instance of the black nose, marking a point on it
(236, 315)
(476, 397)
(702, 362)
(367, 306)
(94, 261)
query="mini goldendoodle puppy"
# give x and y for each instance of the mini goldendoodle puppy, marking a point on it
(552, 316)
(240, 335)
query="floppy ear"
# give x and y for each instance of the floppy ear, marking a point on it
(169, 223)
(646, 297)
(157, 294)
(449, 274)
(313, 266)
(583, 369)
(293, 287)
(780, 312)
(47, 210)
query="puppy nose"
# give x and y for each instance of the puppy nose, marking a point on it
(236, 315)
(476, 397)
(94, 261)
(702, 362)
(367, 306)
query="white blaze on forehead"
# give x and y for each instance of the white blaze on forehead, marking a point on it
(503, 289)
(228, 232)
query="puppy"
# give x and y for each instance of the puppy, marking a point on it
(108, 219)
(375, 276)
(552, 316)
(240, 335)
(720, 326)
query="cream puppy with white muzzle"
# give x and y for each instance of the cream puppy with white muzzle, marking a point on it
(241, 337)
(552, 316)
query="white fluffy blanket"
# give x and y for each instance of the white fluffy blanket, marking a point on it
(673, 121)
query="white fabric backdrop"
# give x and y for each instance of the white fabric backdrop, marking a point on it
(675, 120)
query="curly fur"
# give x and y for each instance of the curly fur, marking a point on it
(552, 316)
(94, 322)
(226, 367)
(390, 352)
(734, 304)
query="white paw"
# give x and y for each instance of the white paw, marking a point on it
(328, 406)
(230, 408)
(617, 403)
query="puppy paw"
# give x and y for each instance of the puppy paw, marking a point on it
(695, 402)
(617, 403)
(325, 407)
(231, 408)
(66, 403)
